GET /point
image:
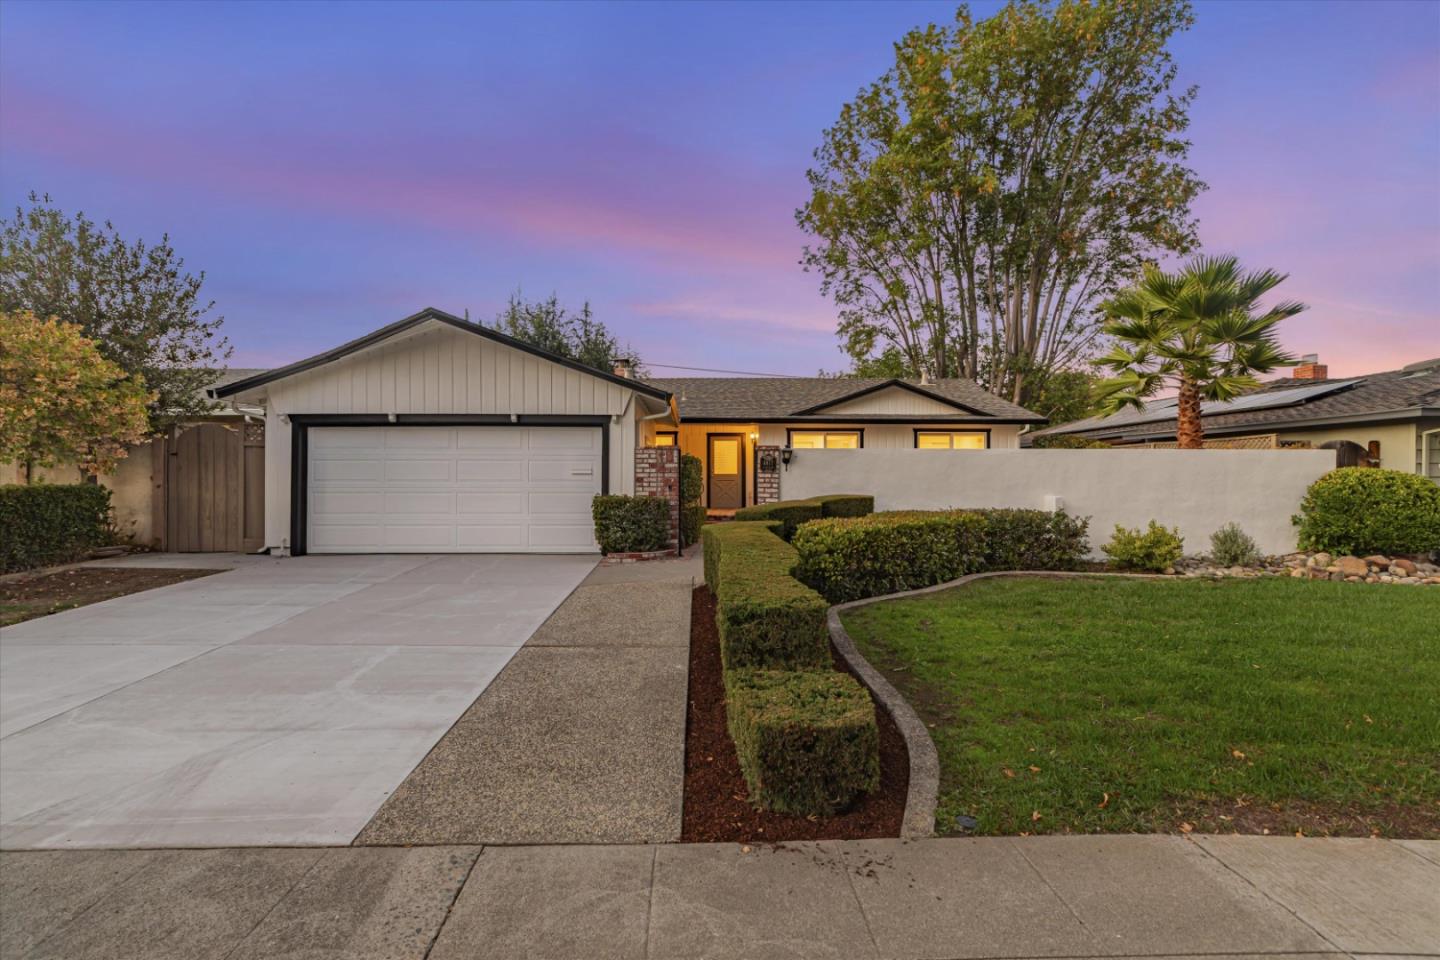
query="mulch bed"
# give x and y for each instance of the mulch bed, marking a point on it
(52, 592)
(716, 808)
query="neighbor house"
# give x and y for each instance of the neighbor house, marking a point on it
(435, 434)
(1392, 419)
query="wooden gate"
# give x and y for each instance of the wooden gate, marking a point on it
(214, 489)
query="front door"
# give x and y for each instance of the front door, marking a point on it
(726, 465)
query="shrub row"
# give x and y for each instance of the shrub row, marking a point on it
(630, 524)
(806, 736)
(692, 511)
(792, 513)
(807, 740)
(42, 524)
(1363, 510)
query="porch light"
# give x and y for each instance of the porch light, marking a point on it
(754, 436)
(785, 454)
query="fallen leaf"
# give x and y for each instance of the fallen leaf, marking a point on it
(1104, 803)
(1300, 833)
(1035, 816)
(1008, 772)
(1034, 769)
(1237, 754)
(1186, 827)
(744, 849)
(1367, 718)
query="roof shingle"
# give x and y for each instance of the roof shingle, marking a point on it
(783, 398)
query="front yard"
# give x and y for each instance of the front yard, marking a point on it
(25, 598)
(1107, 705)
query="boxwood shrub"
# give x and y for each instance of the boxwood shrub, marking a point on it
(48, 523)
(1363, 510)
(630, 524)
(846, 505)
(854, 557)
(1153, 549)
(807, 740)
(766, 618)
(790, 513)
(1034, 540)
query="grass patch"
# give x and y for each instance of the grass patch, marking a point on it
(1099, 705)
(41, 595)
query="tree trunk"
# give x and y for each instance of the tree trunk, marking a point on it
(1189, 432)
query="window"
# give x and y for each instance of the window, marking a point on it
(825, 439)
(951, 439)
(665, 438)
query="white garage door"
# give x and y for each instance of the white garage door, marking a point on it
(452, 489)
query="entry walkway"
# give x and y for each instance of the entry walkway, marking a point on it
(1017, 897)
(580, 739)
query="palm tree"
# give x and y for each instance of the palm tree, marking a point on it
(1197, 332)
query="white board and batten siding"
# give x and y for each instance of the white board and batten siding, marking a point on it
(438, 369)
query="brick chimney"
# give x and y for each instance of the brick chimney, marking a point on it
(623, 367)
(1310, 368)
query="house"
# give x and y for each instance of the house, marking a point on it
(434, 434)
(184, 490)
(1393, 417)
(732, 424)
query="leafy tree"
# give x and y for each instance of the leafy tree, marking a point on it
(576, 336)
(137, 303)
(61, 401)
(974, 205)
(1196, 332)
(890, 364)
(1064, 396)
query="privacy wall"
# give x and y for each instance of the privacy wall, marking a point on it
(1197, 490)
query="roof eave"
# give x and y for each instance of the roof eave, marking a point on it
(886, 385)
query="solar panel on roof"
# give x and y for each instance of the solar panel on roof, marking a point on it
(1269, 399)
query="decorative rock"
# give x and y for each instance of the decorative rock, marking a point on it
(1406, 566)
(1378, 560)
(1352, 566)
(1319, 560)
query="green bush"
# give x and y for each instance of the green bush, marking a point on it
(791, 513)
(1034, 540)
(1363, 510)
(854, 557)
(692, 518)
(1232, 547)
(631, 524)
(1069, 441)
(807, 741)
(1155, 549)
(44, 523)
(692, 479)
(766, 618)
(846, 505)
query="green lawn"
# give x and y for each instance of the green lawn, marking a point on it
(1246, 705)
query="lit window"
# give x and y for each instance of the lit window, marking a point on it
(951, 440)
(824, 440)
(665, 439)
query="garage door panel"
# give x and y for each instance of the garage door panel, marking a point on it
(490, 469)
(462, 489)
(491, 504)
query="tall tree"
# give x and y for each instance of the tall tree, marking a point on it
(975, 204)
(576, 336)
(61, 402)
(134, 300)
(1197, 332)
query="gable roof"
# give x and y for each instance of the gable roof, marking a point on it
(1405, 394)
(809, 398)
(414, 320)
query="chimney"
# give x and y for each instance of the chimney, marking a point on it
(623, 367)
(1310, 368)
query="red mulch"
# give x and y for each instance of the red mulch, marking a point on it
(716, 808)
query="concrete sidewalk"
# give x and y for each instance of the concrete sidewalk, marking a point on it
(580, 739)
(1101, 896)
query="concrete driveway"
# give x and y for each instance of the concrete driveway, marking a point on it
(278, 703)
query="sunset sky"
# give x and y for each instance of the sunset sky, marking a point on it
(333, 168)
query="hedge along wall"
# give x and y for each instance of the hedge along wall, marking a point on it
(806, 735)
(44, 524)
(1198, 491)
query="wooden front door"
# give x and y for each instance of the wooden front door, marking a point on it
(214, 492)
(725, 466)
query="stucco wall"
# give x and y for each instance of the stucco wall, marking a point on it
(131, 490)
(1196, 490)
(1397, 440)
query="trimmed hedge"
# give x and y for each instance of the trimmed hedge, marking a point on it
(766, 618)
(630, 524)
(692, 518)
(855, 557)
(808, 742)
(1034, 540)
(846, 505)
(692, 512)
(44, 523)
(1360, 510)
(790, 513)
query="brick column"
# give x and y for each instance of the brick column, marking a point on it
(657, 474)
(767, 482)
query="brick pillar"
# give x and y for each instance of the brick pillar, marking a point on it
(767, 481)
(657, 474)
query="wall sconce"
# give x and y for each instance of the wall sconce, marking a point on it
(754, 437)
(785, 455)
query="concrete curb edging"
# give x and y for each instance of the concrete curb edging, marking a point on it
(923, 794)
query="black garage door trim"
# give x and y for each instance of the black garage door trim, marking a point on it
(300, 424)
